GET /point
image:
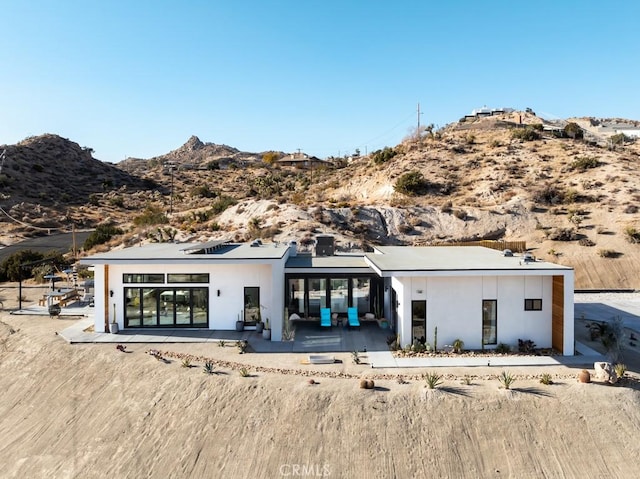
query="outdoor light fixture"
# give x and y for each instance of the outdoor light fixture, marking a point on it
(218, 292)
(111, 293)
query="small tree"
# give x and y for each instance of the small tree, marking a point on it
(412, 183)
(271, 157)
(573, 130)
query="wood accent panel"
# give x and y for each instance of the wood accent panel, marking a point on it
(106, 299)
(557, 314)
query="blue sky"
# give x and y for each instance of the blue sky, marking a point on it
(138, 78)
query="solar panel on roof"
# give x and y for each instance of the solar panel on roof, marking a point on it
(207, 247)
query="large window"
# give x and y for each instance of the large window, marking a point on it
(295, 299)
(306, 294)
(361, 294)
(339, 295)
(166, 307)
(489, 321)
(317, 296)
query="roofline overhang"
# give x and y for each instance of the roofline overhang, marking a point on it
(476, 272)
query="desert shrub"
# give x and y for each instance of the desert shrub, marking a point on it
(384, 155)
(632, 235)
(222, 203)
(37, 168)
(503, 348)
(412, 183)
(546, 379)
(101, 235)
(526, 346)
(117, 201)
(619, 139)
(152, 215)
(630, 209)
(548, 194)
(583, 163)
(458, 345)
(573, 130)
(525, 134)
(202, 191)
(563, 234)
(608, 253)
(94, 199)
(585, 242)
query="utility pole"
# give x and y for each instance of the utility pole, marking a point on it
(171, 166)
(418, 129)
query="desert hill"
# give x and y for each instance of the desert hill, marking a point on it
(566, 187)
(47, 181)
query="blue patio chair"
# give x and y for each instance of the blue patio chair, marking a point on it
(352, 317)
(325, 317)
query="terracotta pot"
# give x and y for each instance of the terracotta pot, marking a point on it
(584, 376)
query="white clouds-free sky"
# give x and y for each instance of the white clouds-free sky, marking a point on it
(138, 77)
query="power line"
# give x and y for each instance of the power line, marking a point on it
(385, 133)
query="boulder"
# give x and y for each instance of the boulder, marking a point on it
(605, 372)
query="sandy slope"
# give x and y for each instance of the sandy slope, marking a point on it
(90, 411)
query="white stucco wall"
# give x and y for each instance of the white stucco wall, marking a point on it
(454, 305)
(224, 310)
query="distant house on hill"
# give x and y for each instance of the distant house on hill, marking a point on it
(302, 160)
(486, 111)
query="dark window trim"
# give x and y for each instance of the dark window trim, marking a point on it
(158, 308)
(533, 304)
(192, 278)
(139, 278)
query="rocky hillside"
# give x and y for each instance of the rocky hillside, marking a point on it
(568, 188)
(49, 182)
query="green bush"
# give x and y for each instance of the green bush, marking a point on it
(412, 184)
(573, 130)
(384, 155)
(101, 235)
(152, 215)
(632, 234)
(203, 191)
(527, 133)
(584, 163)
(222, 203)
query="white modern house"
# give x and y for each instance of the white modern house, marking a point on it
(476, 294)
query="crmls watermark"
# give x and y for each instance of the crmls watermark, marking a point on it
(305, 470)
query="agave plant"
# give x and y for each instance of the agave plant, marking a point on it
(433, 379)
(506, 379)
(208, 368)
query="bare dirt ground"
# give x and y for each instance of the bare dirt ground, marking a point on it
(84, 411)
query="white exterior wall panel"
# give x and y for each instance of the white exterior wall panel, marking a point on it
(224, 310)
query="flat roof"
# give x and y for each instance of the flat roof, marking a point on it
(188, 252)
(398, 259)
(337, 261)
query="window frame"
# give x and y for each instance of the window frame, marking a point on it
(533, 304)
